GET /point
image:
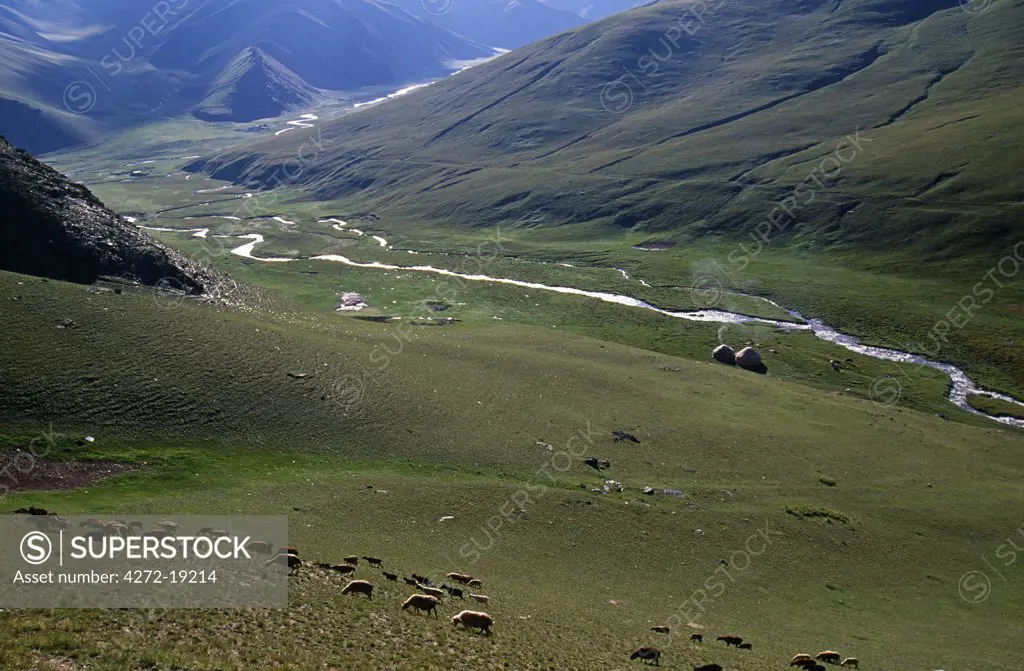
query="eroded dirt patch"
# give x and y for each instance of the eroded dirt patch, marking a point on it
(22, 471)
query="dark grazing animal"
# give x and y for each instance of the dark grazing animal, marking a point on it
(622, 435)
(708, 667)
(359, 587)
(374, 561)
(351, 560)
(697, 638)
(324, 565)
(454, 591)
(410, 581)
(291, 561)
(423, 602)
(343, 569)
(648, 655)
(661, 629)
(393, 577)
(731, 640)
(745, 646)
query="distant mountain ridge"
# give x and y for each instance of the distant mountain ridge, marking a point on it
(254, 86)
(72, 71)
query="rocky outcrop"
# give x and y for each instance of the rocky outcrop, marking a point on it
(748, 357)
(724, 354)
(52, 227)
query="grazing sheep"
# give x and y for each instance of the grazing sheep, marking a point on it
(828, 656)
(410, 581)
(458, 577)
(731, 640)
(393, 577)
(432, 591)
(374, 561)
(91, 522)
(850, 662)
(343, 569)
(422, 579)
(359, 587)
(423, 602)
(697, 638)
(480, 598)
(455, 591)
(205, 531)
(814, 666)
(800, 659)
(474, 619)
(351, 560)
(261, 547)
(649, 655)
(745, 646)
(708, 667)
(168, 526)
(291, 561)
(59, 523)
(661, 629)
(475, 583)
(118, 529)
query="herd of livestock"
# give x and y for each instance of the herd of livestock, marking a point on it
(428, 596)
(652, 655)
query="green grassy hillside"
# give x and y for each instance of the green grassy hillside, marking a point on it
(199, 399)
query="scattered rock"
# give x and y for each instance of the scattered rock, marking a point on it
(298, 376)
(724, 354)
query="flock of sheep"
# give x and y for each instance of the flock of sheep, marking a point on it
(426, 600)
(652, 655)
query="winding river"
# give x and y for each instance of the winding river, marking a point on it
(960, 388)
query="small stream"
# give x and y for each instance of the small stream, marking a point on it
(960, 388)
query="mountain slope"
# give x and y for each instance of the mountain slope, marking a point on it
(331, 44)
(501, 23)
(71, 72)
(613, 124)
(254, 86)
(57, 229)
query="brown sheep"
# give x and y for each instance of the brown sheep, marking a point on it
(351, 560)
(730, 640)
(745, 646)
(474, 582)
(374, 561)
(480, 598)
(359, 587)
(459, 577)
(828, 656)
(800, 659)
(661, 629)
(475, 620)
(423, 602)
(697, 638)
(648, 655)
(708, 667)
(851, 663)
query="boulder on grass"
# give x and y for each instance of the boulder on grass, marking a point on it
(748, 357)
(724, 354)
